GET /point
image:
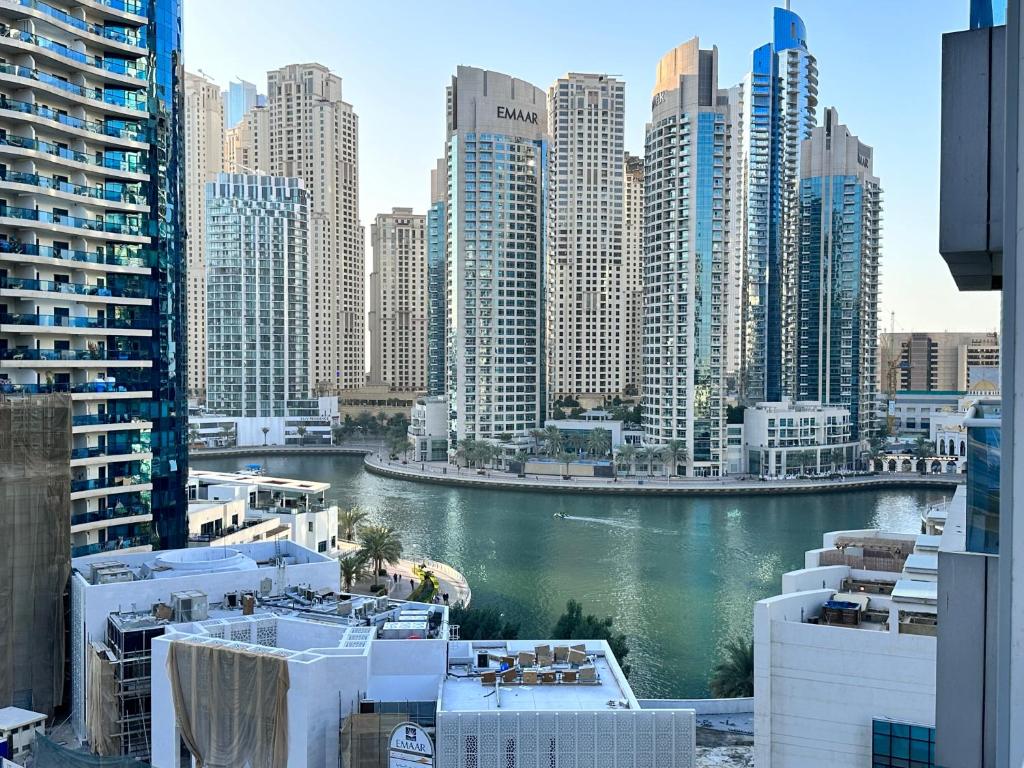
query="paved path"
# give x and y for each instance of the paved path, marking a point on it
(450, 580)
(447, 474)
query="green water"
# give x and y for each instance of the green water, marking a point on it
(678, 575)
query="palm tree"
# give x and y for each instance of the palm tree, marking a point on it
(226, 432)
(566, 457)
(599, 442)
(265, 431)
(539, 437)
(924, 449)
(576, 442)
(193, 433)
(626, 456)
(379, 544)
(733, 676)
(675, 450)
(349, 521)
(302, 434)
(353, 568)
(838, 458)
(466, 451)
(552, 440)
(645, 455)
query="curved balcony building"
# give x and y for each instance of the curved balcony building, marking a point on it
(91, 280)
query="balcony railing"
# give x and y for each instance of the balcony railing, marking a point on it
(131, 164)
(95, 419)
(64, 321)
(135, 289)
(117, 66)
(111, 449)
(111, 33)
(110, 546)
(97, 193)
(71, 355)
(116, 128)
(96, 484)
(130, 228)
(115, 96)
(8, 387)
(110, 513)
(139, 259)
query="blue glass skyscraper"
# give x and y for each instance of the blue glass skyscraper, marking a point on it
(436, 279)
(773, 111)
(837, 272)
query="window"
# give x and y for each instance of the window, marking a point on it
(902, 745)
(322, 546)
(309, 527)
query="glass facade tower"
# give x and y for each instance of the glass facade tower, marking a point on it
(91, 254)
(837, 303)
(496, 208)
(436, 281)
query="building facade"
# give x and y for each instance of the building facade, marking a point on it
(926, 361)
(784, 438)
(631, 370)
(257, 245)
(92, 261)
(399, 300)
(584, 276)
(685, 213)
(837, 303)
(204, 157)
(238, 99)
(496, 208)
(247, 145)
(774, 112)
(314, 136)
(436, 281)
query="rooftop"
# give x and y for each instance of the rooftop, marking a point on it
(534, 683)
(16, 717)
(260, 482)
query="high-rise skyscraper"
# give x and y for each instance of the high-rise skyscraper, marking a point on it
(686, 209)
(314, 135)
(436, 280)
(92, 258)
(773, 111)
(239, 98)
(204, 147)
(583, 278)
(257, 295)
(836, 310)
(496, 212)
(399, 303)
(632, 367)
(247, 145)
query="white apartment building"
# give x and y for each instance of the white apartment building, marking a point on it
(685, 213)
(247, 145)
(845, 657)
(585, 280)
(797, 437)
(257, 295)
(399, 301)
(92, 258)
(631, 372)
(204, 156)
(496, 217)
(428, 429)
(314, 136)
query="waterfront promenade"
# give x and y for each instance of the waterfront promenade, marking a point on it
(447, 474)
(449, 579)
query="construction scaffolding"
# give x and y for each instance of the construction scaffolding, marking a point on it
(35, 547)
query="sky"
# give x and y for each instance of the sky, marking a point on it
(879, 64)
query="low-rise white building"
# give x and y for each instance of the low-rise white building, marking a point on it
(313, 426)
(622, 432)
(18, 729)
(428, 429)
(844, 658)
(271, 504)
(789, 437)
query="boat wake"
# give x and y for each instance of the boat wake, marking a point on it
(619, 524)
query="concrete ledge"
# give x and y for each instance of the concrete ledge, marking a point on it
(282, 450)
(630, 487)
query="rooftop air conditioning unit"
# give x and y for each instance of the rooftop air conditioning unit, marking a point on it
(114, 575)
(190, 606)
(382, 604)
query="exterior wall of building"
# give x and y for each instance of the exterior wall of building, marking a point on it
(247, 145)
(782, 438)
(204, 147)
(936, 361)
(317, 140)
(836, 678)
(684, 273)
(631, 373)
(436, 280)
(257, 249)
(428, 429)
(837, 307)
(239, 98)
(497, 162)
(399, 301)
(98, 309)
(584, 275)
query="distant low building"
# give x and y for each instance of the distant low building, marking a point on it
(622, 432)
(788, 437)
(428, 429)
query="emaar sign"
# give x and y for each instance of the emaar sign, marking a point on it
(508, 113)
(410, 747)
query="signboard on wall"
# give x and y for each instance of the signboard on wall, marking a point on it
(410, 747)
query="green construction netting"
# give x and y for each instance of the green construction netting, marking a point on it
(49, 754)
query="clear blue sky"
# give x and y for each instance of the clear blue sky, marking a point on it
(879, 64)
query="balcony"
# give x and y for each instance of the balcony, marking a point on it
(110, 513)
(125, 229)
(74, 355)
(115, 66)
(129, 290)
(145, 322)
(104, 194)
(112, 33)
(114, 129)
(132, 164)
(110, 96)
(120, 481)
(110, 546)
(111, 449)
(139, 259)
